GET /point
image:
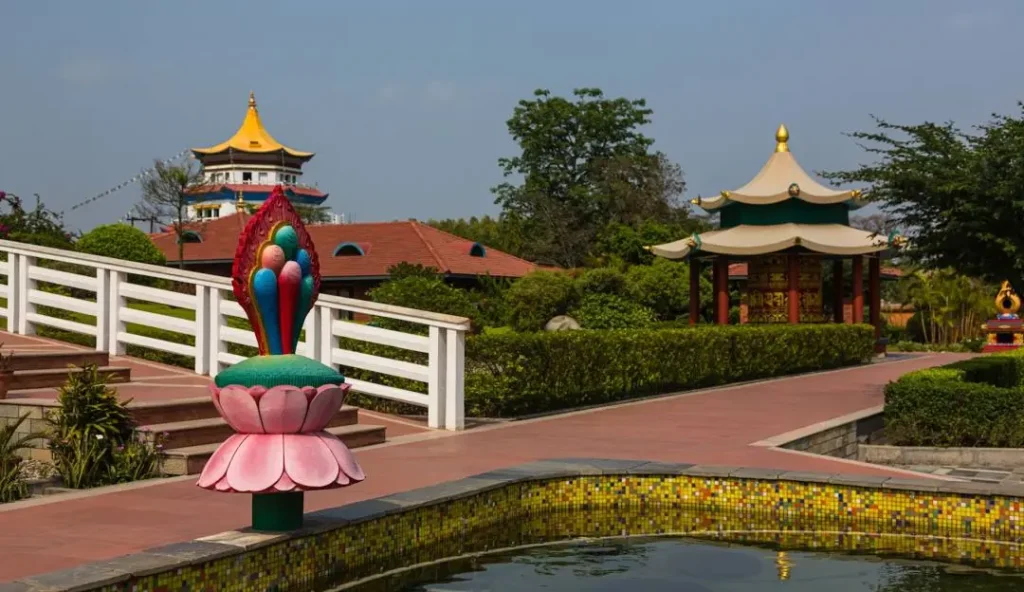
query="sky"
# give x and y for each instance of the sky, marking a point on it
(405, 102)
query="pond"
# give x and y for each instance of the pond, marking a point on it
(685, 564)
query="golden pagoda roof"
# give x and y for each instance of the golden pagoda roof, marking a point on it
(252, 137)
(781, 178)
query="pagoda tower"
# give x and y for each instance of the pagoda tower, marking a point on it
(241, 173)
(785, 226)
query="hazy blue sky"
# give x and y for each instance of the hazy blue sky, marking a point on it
(405, 102)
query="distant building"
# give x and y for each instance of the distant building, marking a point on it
(241, 172)
(353, 257)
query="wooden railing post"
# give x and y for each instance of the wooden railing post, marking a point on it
(116, 325)
(102, 309)
(327, 340)
(436, 383)
(214, 342)
(454, 380)
(24, 286)
(13, 292)
(311, 344)
(203, 321)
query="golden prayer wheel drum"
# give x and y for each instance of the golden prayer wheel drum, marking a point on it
(768, 289)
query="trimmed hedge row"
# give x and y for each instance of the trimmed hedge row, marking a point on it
(976, 402)
(516, 374)
(525, 373)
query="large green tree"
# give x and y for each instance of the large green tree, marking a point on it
(958, 195)
(583, 164)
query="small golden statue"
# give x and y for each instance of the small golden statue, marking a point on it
(1006, 331)
(1007, 301)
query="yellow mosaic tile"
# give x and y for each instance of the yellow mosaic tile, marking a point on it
(790, 515)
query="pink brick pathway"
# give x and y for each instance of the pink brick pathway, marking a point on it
(711, 427)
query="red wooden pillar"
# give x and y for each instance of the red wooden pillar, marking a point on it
(721, 277)
(793, 275)
(875, 295)
(858, 289)
(694, 290)
(838, 301)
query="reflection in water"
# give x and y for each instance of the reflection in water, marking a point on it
(673, 564)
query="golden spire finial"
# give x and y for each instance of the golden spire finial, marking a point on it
(252, 99)
(782, 139)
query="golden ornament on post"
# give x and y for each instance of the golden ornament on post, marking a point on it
(1006, 331)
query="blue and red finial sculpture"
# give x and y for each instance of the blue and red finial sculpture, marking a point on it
(278, 403)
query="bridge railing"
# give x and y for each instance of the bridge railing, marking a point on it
(100, 297)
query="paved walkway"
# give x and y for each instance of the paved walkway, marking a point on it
(709, 427)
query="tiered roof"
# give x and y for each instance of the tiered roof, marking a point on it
(252, 138)
(781, 208)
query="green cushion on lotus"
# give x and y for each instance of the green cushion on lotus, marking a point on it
(271, 371)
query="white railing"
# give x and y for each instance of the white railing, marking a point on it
(212, 302)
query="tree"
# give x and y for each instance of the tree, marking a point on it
(165, 197)
(959, 196)
(313, 214)
(39, 226)
(503, 233)
(584, 164)
(123, 241)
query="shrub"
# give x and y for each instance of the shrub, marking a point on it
(123, 241)
(425, 293)
(92, 436)
(937, 409)
(664, 287)
(976, 402)
(12, 485)
(533, 300)
(514, 374)
(608, 311)
(602, 280)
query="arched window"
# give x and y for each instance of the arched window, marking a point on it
(191, 236)
(348, 250)
(477, 250)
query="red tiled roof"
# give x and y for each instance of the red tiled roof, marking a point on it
(383, 243)
(739, 270)
(249, 187)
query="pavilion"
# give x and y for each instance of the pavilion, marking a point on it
(785, 226)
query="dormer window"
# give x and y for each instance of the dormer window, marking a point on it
(191, 236)
(348, 250)
(477, 250)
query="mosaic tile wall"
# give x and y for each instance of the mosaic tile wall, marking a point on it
(778, 513)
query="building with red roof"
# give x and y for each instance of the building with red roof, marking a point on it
(353, 257)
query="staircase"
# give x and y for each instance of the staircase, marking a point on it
(51, 369)
(189, 429)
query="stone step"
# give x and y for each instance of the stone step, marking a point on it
(214, 430)
(56, 377)
(22, 361)
(190, 460)
(171, 411)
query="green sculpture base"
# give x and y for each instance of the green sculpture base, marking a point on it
(277, 512)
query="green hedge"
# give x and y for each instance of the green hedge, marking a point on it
(976, 402)
(516, 374)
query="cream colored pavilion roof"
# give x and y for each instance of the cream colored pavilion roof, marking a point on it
(781, 178)
(252, 137)
(829, 239)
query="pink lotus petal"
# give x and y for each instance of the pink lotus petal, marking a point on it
(240, 409)
(258, 463)
(219, 462)
(308, 461)
(284, 484)
(343, 456)
(222, 485)
(257, 391)
(283, 409)
(322, 408)
(309, 391)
